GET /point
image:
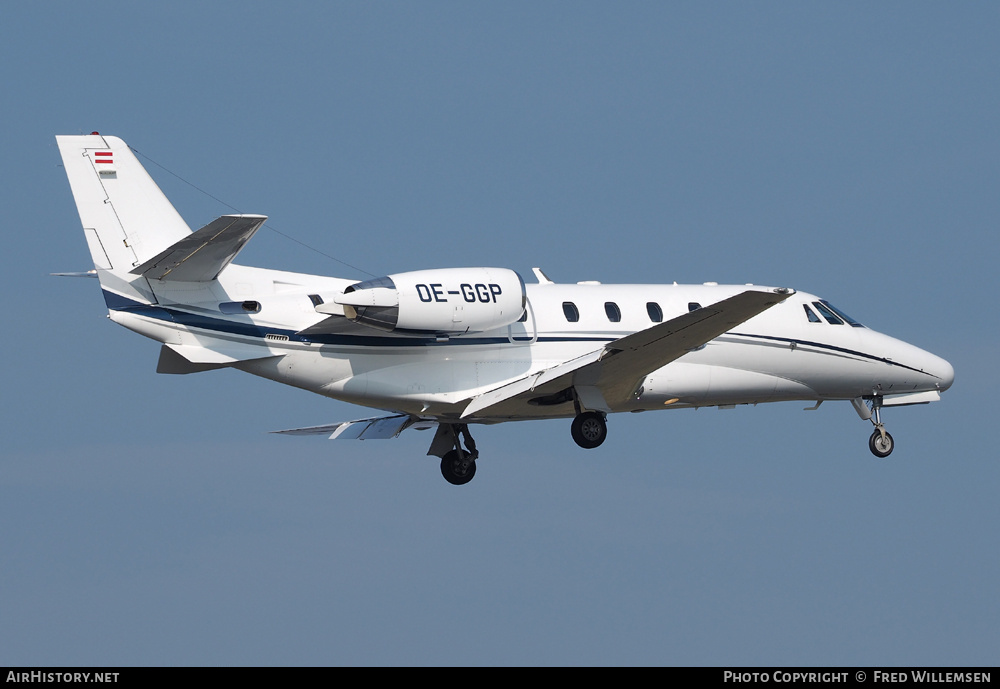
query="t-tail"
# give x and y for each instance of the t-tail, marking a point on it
(137, 239)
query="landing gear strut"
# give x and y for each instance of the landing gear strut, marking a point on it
(458, 466)
(589, 429)
(880, 442)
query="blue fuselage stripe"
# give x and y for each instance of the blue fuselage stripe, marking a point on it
(221, 325)
(832, 348)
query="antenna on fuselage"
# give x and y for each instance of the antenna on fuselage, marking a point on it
(542, 278)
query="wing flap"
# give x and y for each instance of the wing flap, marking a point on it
(379, 428)
(202, 255)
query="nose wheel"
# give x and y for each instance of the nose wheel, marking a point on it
(880, 442)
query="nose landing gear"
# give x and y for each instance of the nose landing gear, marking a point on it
(880, 442)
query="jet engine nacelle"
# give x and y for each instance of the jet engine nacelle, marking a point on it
(445, 301)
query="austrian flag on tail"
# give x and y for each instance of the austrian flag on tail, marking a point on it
(103, 157)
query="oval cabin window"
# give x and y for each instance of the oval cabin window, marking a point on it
(571, 312)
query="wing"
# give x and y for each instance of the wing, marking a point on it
(364, 429)
(609, 376)
(202, 255)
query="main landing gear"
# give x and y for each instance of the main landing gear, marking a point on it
(458, 466)
(458, 463)
(589, 429)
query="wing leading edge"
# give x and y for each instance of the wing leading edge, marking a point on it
(609, 376)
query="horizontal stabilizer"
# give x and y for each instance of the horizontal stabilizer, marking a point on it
(364, 429)
(202, 255)
(77, 274)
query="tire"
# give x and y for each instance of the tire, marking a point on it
(589, 430)
(457, 471)
(881, 447)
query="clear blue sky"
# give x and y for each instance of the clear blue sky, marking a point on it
(845, 149)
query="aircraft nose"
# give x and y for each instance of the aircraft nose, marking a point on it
(945, 371)
(937, 374)
(942, 372)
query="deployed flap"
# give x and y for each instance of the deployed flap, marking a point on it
(364, 429)
(202, 255)
(615, 371)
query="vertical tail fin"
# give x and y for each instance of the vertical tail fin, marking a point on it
(126, 218)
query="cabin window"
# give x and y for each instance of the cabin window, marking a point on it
(840, 313)
(315, 299)
(811, 315)
(829, 315)
(614, 313)
(571, 312)
(654, 311)
(693, 306)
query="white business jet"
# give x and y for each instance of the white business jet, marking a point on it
(449, 348)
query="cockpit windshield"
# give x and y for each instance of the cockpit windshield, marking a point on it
(840, 313)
